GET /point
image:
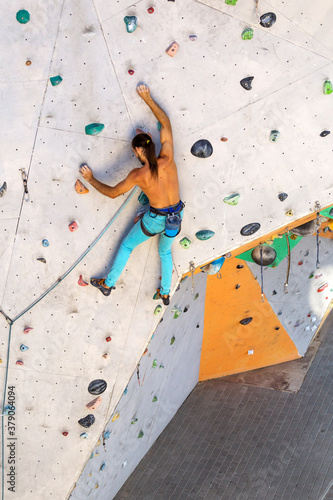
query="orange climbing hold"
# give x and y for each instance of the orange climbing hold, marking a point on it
(73, 226)
(80, 188)
(92, 405)
(172, 49)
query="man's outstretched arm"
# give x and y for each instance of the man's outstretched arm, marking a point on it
(166, 131)
(112, 192)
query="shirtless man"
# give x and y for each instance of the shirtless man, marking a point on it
(158, 179)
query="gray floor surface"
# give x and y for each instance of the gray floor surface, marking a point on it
(236, 442)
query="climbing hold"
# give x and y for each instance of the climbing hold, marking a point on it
(94, 128)
(305, 229)
(328, 88)
(214, 267)
(250, 229)
(246, 83)
(84, 435)
(150, 10)
(27, 329)
(131, 23)
(134, 420)
(97, 387)
(185, 242)
(45, 243)
(250, 352)
(158, 309)
(172, 340)
(172, 49)
(193, 38)
(80, 188)
(106, 434)
(27, 62)
(274, 135)
(105, 355)
(124, 463)
(198, 325)
(232, 199)
(92, 405)
(267, 20)
(19, 362)
(126, 390)
(140, 435)
(143, 199)
(246, 321)
(300, 263)
(282, 196)
(154, 363)
(177, 313)
(231, 2)
(108, 339)
(3, 189)
(154, 399)
(247, 34)
(145, 351)
(41, 259)
(81, 282)
(202, 149)
(239, 266)
(23, 347)
(237, 286)
(23, 16)
(87, 421)
(96, 486)
(161, 366)
(322, 287)
(223, 139)
(265, 253)
(131, 71)
(115, 416)
(65, 433)
(204, 234)
(290, 213)
(102, 467)
(274, 292)
(73, 226)
(325, 133)
(55, 80)
(311, 276)
(196, 296)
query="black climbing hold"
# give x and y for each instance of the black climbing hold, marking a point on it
(240, 266)
(277, 328)
(41, 259)
(267, 20)
(202, 149)
(305, 229)
(97, 387)
(186, 309)
(250, 229)
(325, 133)
(268, 255)
(246, 83)
(3, 189)
(87, 421)
(237, 286)
(282, 196)
(246, 321)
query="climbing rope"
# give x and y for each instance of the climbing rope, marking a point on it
(11, 322)
(288, 271)
(317, 234)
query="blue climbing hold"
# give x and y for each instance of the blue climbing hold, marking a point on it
(55, 80)
(84, 435)
(204, 234)
(214, 267)
(107, 434)
(94, 128)
(23, 347)
(102, 467)
(131, 23)
(45, 243)
(250, 229)
(23, 16)
(87, 421)
(202, 149)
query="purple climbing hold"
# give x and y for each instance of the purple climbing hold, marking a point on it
(97, 387)
(202, 149)
(246, 83)
(87, 421)
(250, 229)
(267, 20)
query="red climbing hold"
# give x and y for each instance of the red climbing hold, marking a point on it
(224, 139)
(81, 282)
(108, 339)
(65, 433)
(322, 287)
(19, 362)
(27, 329)
(131, 71)
(73, 226)
(150, 10)
(300, 263)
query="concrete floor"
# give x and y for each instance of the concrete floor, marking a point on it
(236, 442)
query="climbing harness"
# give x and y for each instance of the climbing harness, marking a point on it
(25, 184)
(262, 274)
(317, 233)
(288, 271)
(192, 268)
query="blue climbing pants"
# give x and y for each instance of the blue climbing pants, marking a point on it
(154, 224)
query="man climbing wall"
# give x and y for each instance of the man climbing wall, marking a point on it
(158, 179)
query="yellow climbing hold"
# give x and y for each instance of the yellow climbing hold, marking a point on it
(115, 416)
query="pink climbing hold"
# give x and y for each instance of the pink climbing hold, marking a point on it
(108, 339)
(81, 282)
(19, 362)
(150, 10)
(73, 226)
(92, 405)
(27, 329)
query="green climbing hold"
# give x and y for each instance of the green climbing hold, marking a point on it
(328, 88)
(134, 420)
(131, 23)
(158, 309)
(172, 340)
(247, 34)
(231, 2)
(143, 198)
(94, 128)
(154, 363)
(55, 80)
(185, 242)
(196, 296)
(232, 199)
(204, 234)
(23, 16)
(274, 135)
(311, 276)
(140, 435)
(154, 399)
(177, 313)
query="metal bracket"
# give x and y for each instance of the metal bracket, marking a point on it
(25, 184)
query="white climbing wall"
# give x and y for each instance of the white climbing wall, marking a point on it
(43, 131)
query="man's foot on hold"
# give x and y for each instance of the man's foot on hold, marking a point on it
(100, 284)
(166, 299)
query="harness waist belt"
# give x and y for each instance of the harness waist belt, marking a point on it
(168, 210)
